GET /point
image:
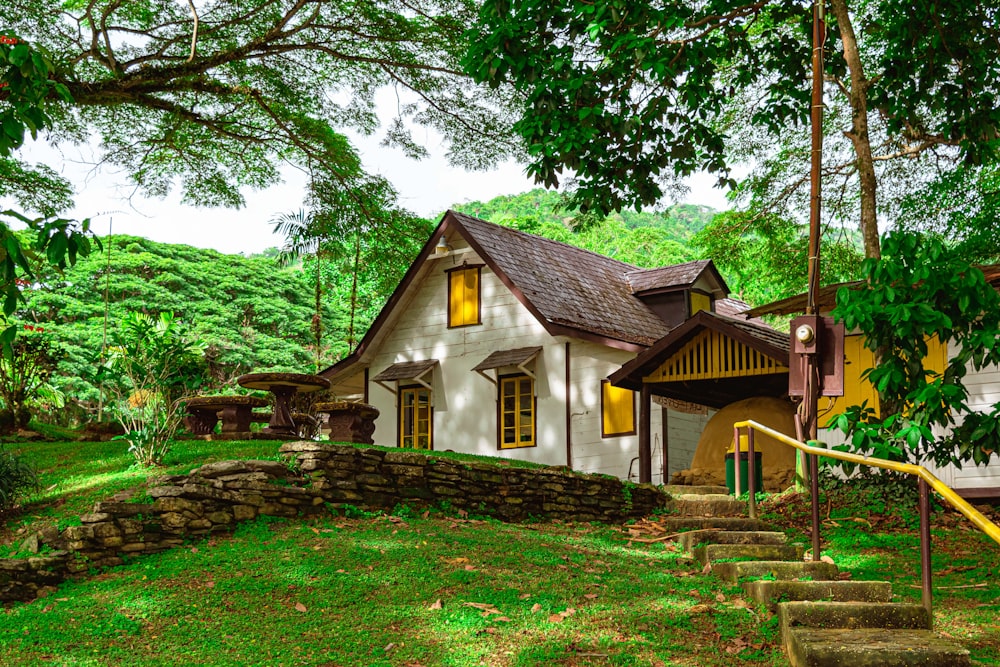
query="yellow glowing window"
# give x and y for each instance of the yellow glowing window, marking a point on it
(517, 412)
(463, 297)
(415, 418)
(700, 301)
(617, 410)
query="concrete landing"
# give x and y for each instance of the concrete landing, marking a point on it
(813, 647)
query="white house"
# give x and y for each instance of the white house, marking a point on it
(500, 343)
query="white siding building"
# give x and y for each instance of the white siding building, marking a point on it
(500, 343)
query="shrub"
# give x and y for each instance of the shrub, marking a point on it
(17, 478)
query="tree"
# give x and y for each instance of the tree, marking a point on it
(154, 363)
(250, 313)
(922, 288)
(26, 88)
(303, 238)
(764, 257)
(23, 372)
(215, 96)
(627, 95)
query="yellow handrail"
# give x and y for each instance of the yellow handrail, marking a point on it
(946, 492)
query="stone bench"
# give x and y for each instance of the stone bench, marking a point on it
(235, 412)
(348, 421)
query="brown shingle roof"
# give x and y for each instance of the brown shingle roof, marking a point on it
(405, 370)
(567, 286)
(507, 358)
(678, 275)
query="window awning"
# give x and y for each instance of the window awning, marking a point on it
(406, 370)
(518, 357)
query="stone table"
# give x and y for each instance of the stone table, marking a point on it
(236, 413)
(283, 386)
(349, 421)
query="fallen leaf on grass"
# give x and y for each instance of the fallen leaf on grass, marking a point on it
(437, 605)
(301, 607)
(470, 568)
(719, 597)
(558, 618)
(700, 609)
(591, 596)
(524, 596)
(456, 561)
(487, 608)
(536, 608)
(707, 568)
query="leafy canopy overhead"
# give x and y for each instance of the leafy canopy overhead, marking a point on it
(216, 96)
(628, 95)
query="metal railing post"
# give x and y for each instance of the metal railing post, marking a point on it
(751, 475)
(736, 461)
(814, 492)
(926, 572)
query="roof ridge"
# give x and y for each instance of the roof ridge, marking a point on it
(605, 258)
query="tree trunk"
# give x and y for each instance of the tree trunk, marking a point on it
(858, 134)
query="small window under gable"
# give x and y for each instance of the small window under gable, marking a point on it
(617, 411)
(698, 301)
(464, 307)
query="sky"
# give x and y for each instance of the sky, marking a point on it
(427, 187)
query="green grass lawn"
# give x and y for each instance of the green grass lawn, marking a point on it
(415, 589)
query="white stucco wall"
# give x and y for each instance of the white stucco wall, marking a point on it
(465, 403)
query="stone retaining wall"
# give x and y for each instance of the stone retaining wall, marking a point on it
(214, 497)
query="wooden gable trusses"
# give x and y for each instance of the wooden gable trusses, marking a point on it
(712, 354)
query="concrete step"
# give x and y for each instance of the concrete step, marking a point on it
(707, 553)
(852, 615)
(709, 504)
(815, 647)
(770, 593)
(676, 524)
(780, 570)
(681, 490)
(689, 541)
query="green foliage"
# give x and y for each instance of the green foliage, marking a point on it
(216, 97)
(25, 369)
(17, 478)
(644, 239)
(873, 491)
(57, 243)
(250, 313)
(152, 363)
(28, 89)
(922, 288)
(764, 258)
(628, 96)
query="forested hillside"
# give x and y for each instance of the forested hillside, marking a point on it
(762, 258)
(248, 312)
(645, 239)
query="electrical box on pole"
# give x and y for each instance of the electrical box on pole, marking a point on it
(816, 342)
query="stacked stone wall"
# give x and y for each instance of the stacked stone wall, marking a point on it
(316, 478)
